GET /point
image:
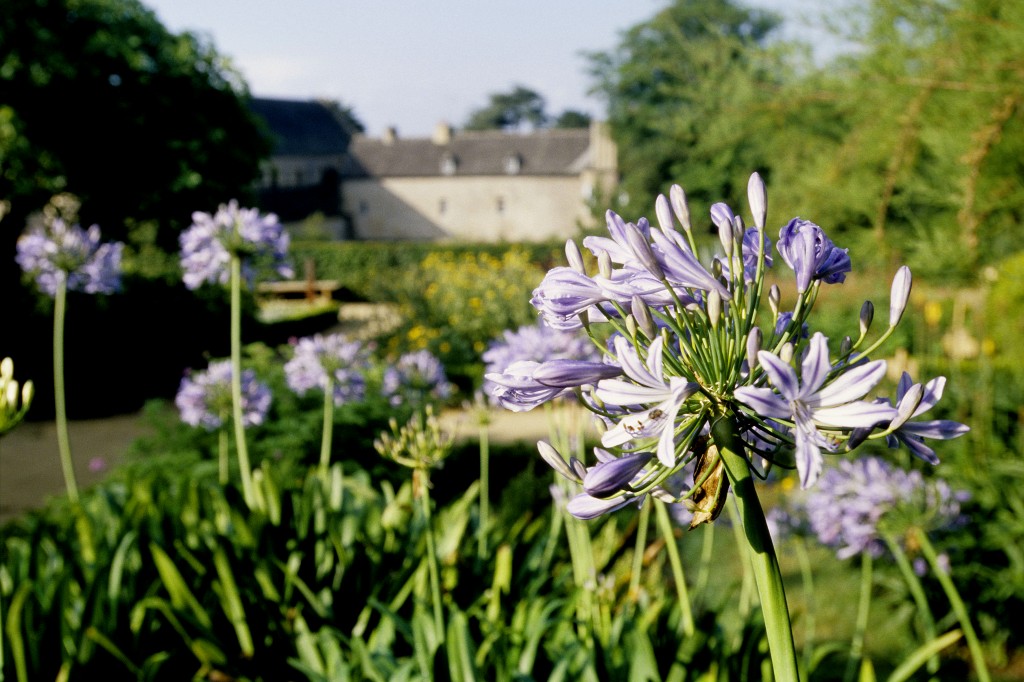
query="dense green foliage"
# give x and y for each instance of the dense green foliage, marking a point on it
(915, 136)
(90, 82)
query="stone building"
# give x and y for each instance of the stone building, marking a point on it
(477, 186)
(302, 177)
(482, 186)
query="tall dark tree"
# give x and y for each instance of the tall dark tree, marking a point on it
(102, 101)
(683, 92)
(570, 118)
(510, 111)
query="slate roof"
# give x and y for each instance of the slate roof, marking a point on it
(544, 152)
(301, 128)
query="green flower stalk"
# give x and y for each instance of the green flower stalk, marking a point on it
(225, 247)
(699, 383)
(421, 445)
(62, 258)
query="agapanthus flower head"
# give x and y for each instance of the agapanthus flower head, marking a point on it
(853, 500)
(204, 398)
(61, 253)
(694, 377)
(333, 358)
(207, 246)
(416, 376)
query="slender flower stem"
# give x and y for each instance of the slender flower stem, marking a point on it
(485, 459)
(328, 429)
(236, 380)
(638, 552)
(863, 613)
(60, 406)
(223, 467)
(973, 644)
(747, 586)
(668, 532)
(917, 592)
(435, 581)
(762, 553)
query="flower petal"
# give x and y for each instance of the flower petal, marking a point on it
(851, 385)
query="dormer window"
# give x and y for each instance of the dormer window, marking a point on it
(449, 164)
(512, 164)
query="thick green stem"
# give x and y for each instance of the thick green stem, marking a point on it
(328, 431)
(236, 381)
(973, 644)
(668, 532)
(863, 613)
(60, 406)
(763, 559)
(432, 569)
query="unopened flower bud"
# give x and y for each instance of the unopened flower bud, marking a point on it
(901, 284)
(867, 314)
(640, 247)
(716, 268)
(631, 327)
(677, 198)
(607, 478)
(714, 307)
(604, 265)
(579, 471)
(845, 346)
(786, 352)
(664, 213)
(575, 258)
(644, 320)
(722, 216)
(774, 297)
(754, 339)
(757, 195)
(858, 436)
(555, 461)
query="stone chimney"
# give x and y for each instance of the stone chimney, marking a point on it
(390, 135)
(442, 134)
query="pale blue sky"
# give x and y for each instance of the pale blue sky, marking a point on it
(412, 64)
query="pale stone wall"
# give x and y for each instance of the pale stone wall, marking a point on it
(480, 208)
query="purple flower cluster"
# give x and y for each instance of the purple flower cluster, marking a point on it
(70, 254)
(204, 398)
(207, 246)
(686, 364)
(416, 376)
(852, 501)
(318, 358)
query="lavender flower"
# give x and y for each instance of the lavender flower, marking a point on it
(207, 246)
(204, 398)
(417, 375)
(810, 401)
(647, 385)
(319, 357)
(911, 403)
(812, 255)
(72, 255)
(538, 343)
(847, 509)
(526, 384)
